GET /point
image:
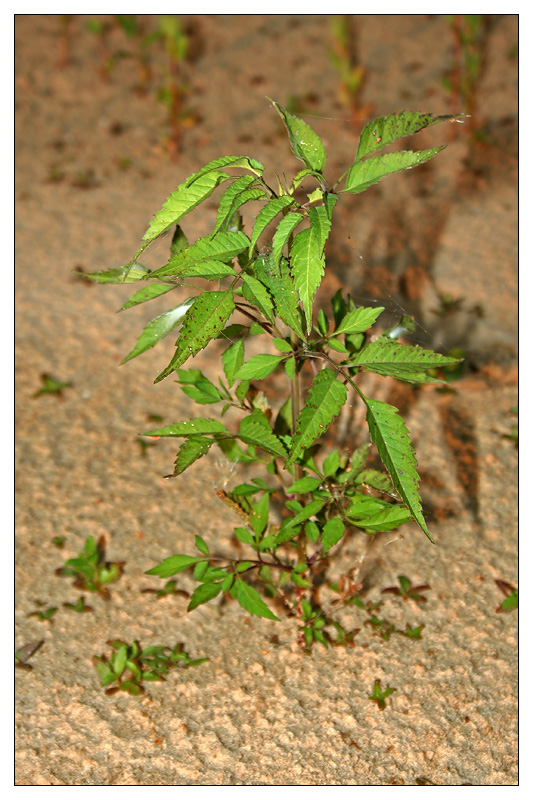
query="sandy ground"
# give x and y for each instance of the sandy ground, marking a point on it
(259, 712)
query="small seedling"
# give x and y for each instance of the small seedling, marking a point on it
(310, 496)
(407, 591)
(51, 385)
(511, 597)
(24, 653)
(169, 588)
(513, 436)
(59, 541)
(352, 75)
(44, 616)
(463, 78)
(78, 606)
(129, 665)
(380, 695)
(91, 571)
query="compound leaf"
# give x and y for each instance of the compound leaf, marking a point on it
(205, 319)
(391, 437)
(324, 400)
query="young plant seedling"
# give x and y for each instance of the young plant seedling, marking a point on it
(169, 588)
(91, 571)
(79, 606)
(129, 665)
(511, 597)
(352, 75)
(51, 385)
(46, 615)
(463, 78)
(380, 695)
(173, 92)
(407, 591)
(267, 288)
(24, 653)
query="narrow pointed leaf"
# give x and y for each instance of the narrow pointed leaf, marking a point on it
(145, 294)
(258, 367)
(364, 174)
(227, 162)
(385, 130)
(203, 594)
(199, 388)
(204, 321)
(406, 362)
(191, 427)
(391, 437)
(221, 248)
(307, 268)
(388, 519)
(320, 224)
(332, 533)
(172, 565)
(359, 320)
(267, 214)
(179, 203)
(278, 280)
(283, 232)
(156, 330)
(324, 400)
(250, 599)
(257, 295)
(232, 360)
(235, 195)
(130, 273)
(305, 143)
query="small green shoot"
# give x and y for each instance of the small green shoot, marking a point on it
(79, 606)
(169, 588)
(352, 75)
(511, 597)
(59, 542)
(24, 653)
(129, 666)
(380, 695)
(46, 615)
(51, 385)
(90, 569)
(407, 591)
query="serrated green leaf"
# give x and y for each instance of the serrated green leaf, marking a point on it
(240, 192)
(172, 565)
(304, 485)
(332, 533)
(232, 360)
(199, 388)
(190, 451)
(147, 293)
(405, 362)
(324, 400)
(250, 599)
(191, 427)
(258, 296)
(259, 366)
(283, 233)
(320, 224)
(305, 143)
(180, 203)
(157, 329)
(388, 519)
(277, 279)
(364, 174)
(267, 214)
(226, 162)
(219, 249)
(255, 430)
(375, 479)
(391, 437)
(307, 269)
(204, 321)
(384, 130)
(286, 530)
(358, 320)
(203, 594)
(179, 242)
(131, 273)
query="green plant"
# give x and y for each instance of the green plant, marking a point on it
(90, 569)
(407, 591)
(352, 76)
(80, 606)
(310, 498)
(380, 695)
(51, 385)
(129, 665)
(462, 79)
(173, 92)
(46, 615)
